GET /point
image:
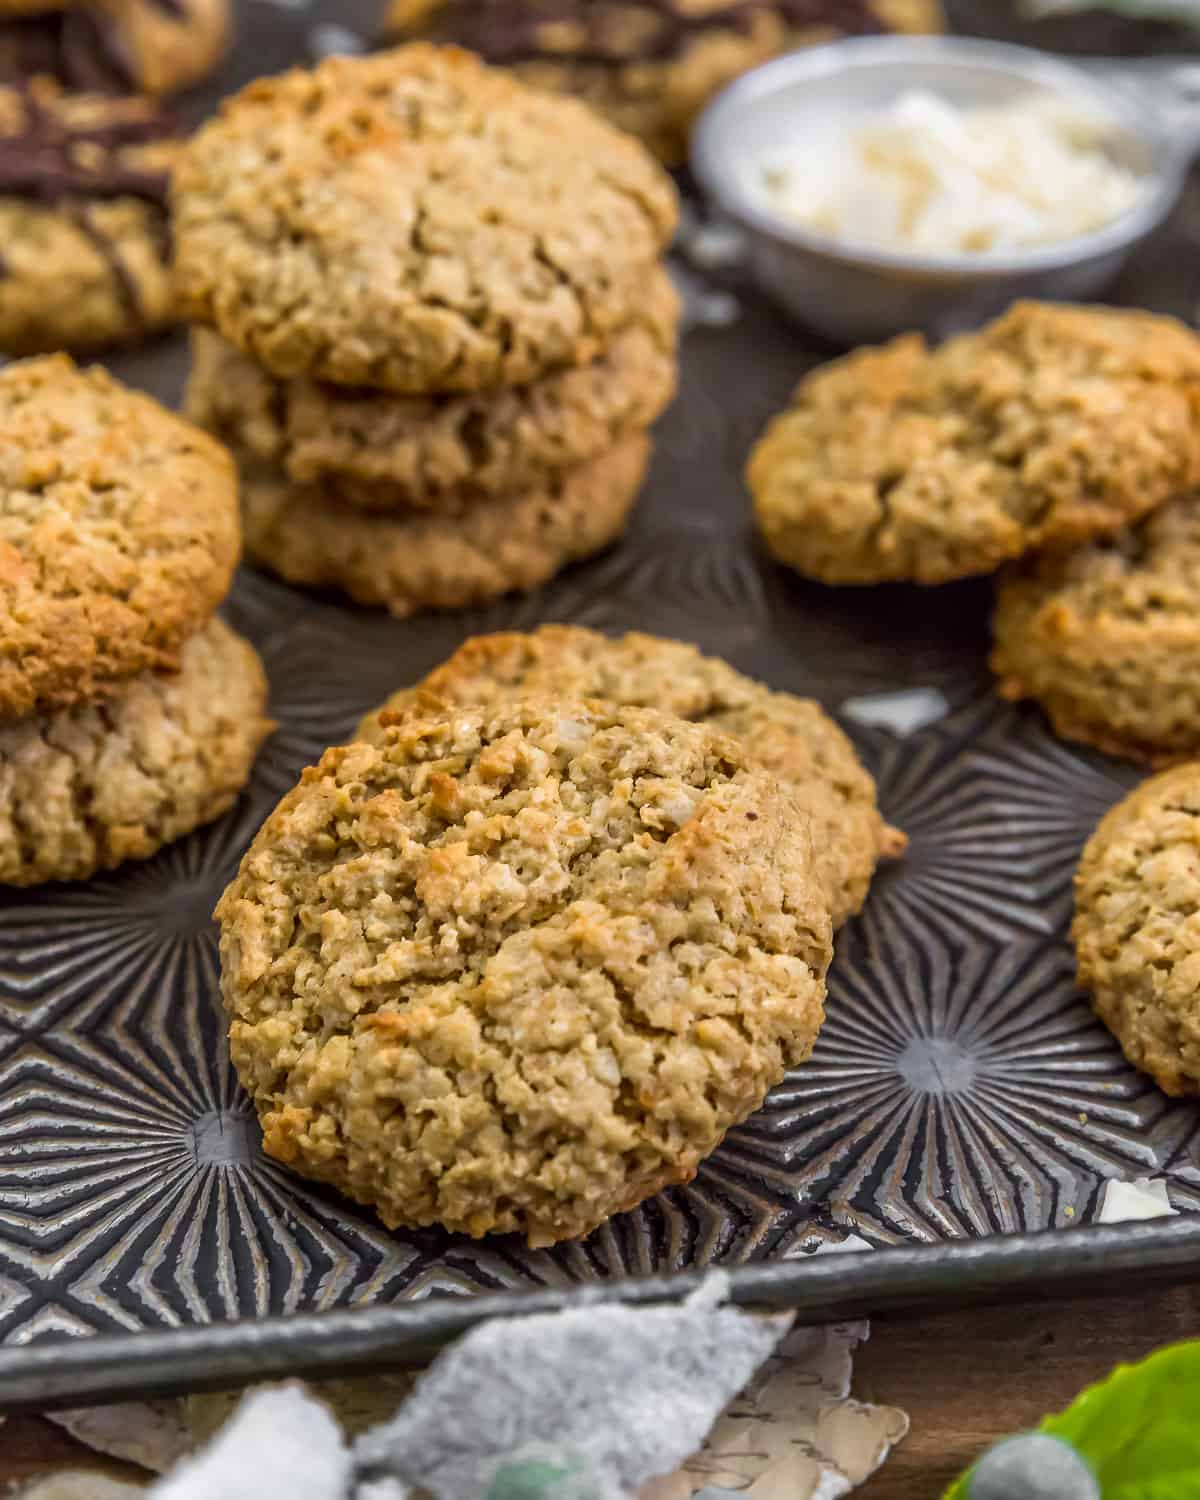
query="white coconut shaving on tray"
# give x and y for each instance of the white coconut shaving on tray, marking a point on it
(927, 178)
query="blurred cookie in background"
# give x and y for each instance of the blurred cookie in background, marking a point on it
(649, 65)
(114, 46)
(84, 243)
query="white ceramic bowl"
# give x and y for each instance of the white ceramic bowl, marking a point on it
(857, 295)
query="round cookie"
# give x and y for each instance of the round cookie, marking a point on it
(1050, 426)
(791, 737)
(87, 788)
(118, 534)
(518, 968)
(1107, 638)
(84, 245)
(649, 66)
(415, 221)
(117, 46)
(444, 559)
(382, 451)
(1137, 926)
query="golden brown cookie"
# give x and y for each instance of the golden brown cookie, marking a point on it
(448, 558)
(114, 46)
(517, 968)
(415, 222)
(1107, 638)
(87, 788)
(791, 737)
(1050, 426)
(382, 451)
(118, 534)
(650, 66)
(1137, 929)
(84, 248)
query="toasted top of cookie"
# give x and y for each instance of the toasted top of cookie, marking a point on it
(415, 221)
(516, 967)
(1137, 892)
(1051, 425)
(118, 533)
(792, 737)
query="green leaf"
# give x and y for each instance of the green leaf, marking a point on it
(1139, 1429)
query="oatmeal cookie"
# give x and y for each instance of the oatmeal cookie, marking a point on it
(519, 967)
(118, 534)
(414, 222)
(448, 558)
(115, 46)
(383, 452)
(791, 737)
(84, 247)
(1136, 928)
(1107, 638)
(1050, 426)
(87, 788)
(650, 66)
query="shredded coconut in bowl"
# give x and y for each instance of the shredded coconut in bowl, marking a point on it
(929, 178)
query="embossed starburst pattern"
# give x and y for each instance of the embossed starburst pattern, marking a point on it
(960, 1086)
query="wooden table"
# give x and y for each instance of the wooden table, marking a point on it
(964, 1378)
(968, 1378)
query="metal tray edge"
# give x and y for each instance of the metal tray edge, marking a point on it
(1050, 1265)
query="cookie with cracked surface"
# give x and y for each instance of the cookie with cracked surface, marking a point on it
(383, 452)
(448, 558)
(115, 46)
(84, 789)
(650, 66)
(1136, 930)
(84, 244)
(791, 737)
(517, 968)
(1107, 637)
(1050, 426)
(118, 534)
(413, 222)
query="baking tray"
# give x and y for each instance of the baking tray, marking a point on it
(962, 1113)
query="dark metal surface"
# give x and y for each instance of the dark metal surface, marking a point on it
(960, 1091)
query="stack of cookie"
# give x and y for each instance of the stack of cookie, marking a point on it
(1062, 442)
(436, 326)
(129, 715)
(585, 888)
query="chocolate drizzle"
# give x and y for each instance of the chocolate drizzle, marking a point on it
(54, 157)
(512, 31)
(70, 156)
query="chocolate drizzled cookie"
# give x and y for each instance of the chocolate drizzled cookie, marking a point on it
(650, 65)
(116, 46)
(519, 31)
(83, 218)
